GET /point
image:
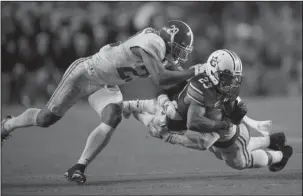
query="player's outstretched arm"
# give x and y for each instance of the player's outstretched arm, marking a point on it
(162, 76)
(197, 121)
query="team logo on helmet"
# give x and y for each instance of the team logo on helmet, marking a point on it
(214, 61)
(173, 31)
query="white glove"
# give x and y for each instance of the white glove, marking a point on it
(199, 68)
(170, 109)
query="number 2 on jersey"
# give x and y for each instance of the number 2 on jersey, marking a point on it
(205, 81)
(129, 73)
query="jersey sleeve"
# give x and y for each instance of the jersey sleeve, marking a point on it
(195, 93)
(153, 45)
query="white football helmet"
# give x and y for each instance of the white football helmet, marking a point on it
(224, 69)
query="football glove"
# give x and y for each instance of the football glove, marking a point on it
(199, 68)
(170, 109)
(240, 110)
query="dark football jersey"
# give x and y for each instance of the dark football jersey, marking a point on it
(200, 90)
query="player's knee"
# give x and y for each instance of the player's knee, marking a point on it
(238, 165)
(112, 115)
(46, 118)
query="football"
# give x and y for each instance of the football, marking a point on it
(229, 108)
(214, 113)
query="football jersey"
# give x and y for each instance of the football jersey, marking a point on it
(116, 64)
(200, 90)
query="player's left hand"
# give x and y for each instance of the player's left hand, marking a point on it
(240, 110)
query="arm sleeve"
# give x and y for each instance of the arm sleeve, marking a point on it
(197, 121)
(153, 45)
(195, 94)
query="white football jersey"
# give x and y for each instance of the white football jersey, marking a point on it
(115, 64)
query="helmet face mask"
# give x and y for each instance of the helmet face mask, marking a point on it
(180, 53)
(229, 84)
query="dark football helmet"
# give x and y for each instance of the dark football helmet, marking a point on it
(179, 39)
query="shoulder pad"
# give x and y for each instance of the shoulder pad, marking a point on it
(153, 44)
(195, 93)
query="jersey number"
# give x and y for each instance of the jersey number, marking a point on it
(205, 82)
(128, 73)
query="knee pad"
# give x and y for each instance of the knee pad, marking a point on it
(112, 115)
(46, 118)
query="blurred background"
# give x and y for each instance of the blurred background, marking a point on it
(39, 40)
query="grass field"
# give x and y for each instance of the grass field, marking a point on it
(34, 160)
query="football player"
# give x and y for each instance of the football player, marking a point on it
(226, 137)
(147, 53)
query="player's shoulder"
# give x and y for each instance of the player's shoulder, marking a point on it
(152, 43)
(201, 82)
(152, 35)
(200, 89)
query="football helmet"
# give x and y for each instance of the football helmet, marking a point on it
(178, 38)
(224, 69)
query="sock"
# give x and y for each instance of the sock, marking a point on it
(250, 123)
(26, 119)
(258, 142)
(262, 158)
(95, 143)
(262, 127)
(275, 156)
(140, 106)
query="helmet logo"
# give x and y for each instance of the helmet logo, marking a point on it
(214, 61)
(173, 30)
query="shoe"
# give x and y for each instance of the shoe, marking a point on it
(75, 174)
(5, 135)
(277, 141)
(287, 152)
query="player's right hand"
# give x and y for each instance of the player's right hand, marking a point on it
(199, 68)
(240, 110)
(225, 124)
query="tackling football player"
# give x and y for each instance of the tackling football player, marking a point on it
(203, 103)
(145, 54)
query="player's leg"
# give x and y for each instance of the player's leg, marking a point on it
(254, 125)
(139, 106)
(237, 156)
(274, 141)
(108, 104)
(66, 94)
(248, 156)
(262, 127)
(276, 160)
(203, 140)
(264, 158)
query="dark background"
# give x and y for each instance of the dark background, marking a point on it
(39, 40)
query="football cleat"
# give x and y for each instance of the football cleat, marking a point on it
(277, 141)
(5, 135)
(287, 152)
(75, 175)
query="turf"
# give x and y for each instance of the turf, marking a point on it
(34, 160)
